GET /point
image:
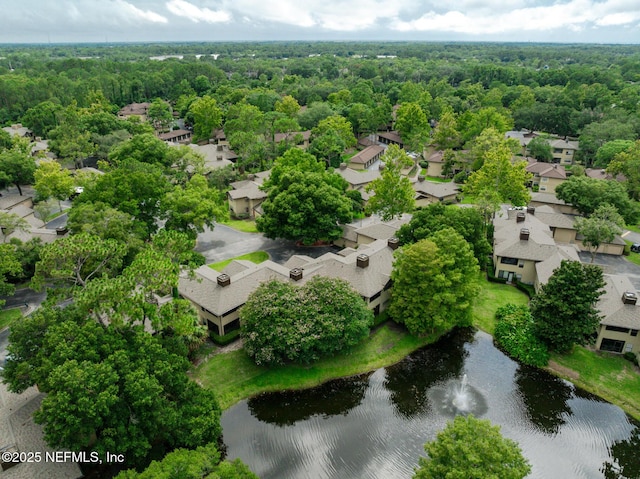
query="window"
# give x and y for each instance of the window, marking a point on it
(521, 264)
(611, 345)
(505, 260)
(617, 329)
(634, 332)
(503, 274)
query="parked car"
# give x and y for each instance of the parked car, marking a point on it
(635, 247)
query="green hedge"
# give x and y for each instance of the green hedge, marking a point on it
(226, 339)
(528, 289)
(514, 334)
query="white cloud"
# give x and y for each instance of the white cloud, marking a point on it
(196, 14)
(135, 12)
(574, 15)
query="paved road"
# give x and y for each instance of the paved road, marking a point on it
(612, 264)
(224, 243)
(57, 222)
(631, 236)
(22, 296)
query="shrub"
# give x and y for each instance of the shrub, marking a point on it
(226, 339)
(282, 322)
(424, 164)
(629, 356)
(528, 289)
(514, 334)
(460, 177)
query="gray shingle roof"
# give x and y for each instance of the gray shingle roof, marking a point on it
(507, 242)
(435, 189)
(545, 268)
(613, 310)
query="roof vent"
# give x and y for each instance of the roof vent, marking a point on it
(224, 280)
(524, 234)
(531, 210)
(362, 260)
(629, 298)
(219, 157)
(421, 178)
(343, 166)
(295, 274)
(520, 216)
(251, 177)
(219, 147)
(393, 243)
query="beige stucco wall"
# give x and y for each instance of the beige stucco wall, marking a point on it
(630, 341)
(548, 185)
(528, 271)
(565, 157)
(434, 169)
(616, 249)
(243, 207)
(564, 235)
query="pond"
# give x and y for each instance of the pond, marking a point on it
(375, 425)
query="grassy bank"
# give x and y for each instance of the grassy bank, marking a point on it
(233, 376)
(8, 316)
(246, 226)
(257, 257)
(609, 376)
(491, 297)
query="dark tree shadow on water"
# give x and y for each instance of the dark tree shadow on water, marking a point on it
(545, 398)
(286, 408)
(409, 380)
(626, 458)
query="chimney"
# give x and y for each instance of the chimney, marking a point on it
(531, 210)
(629, 298)
(520, 216)
(393, 243)
(219, 157)
(295, 274)
(251, 177)
(219, 147)
(362, 261)
(524, 234)
(420, 178)
(343, 166)
(224, 280)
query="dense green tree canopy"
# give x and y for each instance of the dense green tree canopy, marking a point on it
(627, 163)
(207, 116)
(9, 265)
(468, 222)
(540, 149)
(282, 322)
(434, 283)
(108, 389)
(17, 166)
(472, 448)
(564, 310)
(393, 192)
(586, 194)
(52, 181)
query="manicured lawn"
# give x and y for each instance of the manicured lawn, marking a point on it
(233, 376)
(634, 228)
(491, 297)
(8, 316)
(257, 257)
(468, 200)
(246, 226)
(607, 375)
(437, 179)
(633, 257)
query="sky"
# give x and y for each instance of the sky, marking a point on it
(99, 21)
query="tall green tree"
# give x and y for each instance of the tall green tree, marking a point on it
(627, 162)
(393, 192)
(17, 166)
(10, 222)
(499, 174)
(9, 265)
(601, 227)
(608, 151)
(434, 283)
(472, 448)
(564, 310)
(340, 126)
(194, 206)
(52, 181)
(540, 149)
(446, 134)
(413, 126)
(207, 116)
(160, 114)
(586, 194)
(468, 222)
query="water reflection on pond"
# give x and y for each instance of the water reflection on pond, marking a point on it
(375, 425)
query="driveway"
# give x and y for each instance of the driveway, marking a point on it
(612, 264)
(224, 243)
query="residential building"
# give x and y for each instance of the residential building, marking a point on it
(219, 296)
(564, 150)
(543, 198)
(134, 109)
(435, 162)
(176, 136)
(428, 192)
(365, 158)
(390, 138)
(358, 180)
(299, 138)
(247, 195)
(18, 130)
(546, 176)
(618, 331)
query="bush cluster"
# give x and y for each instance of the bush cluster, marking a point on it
(514, 334)
(283, 323)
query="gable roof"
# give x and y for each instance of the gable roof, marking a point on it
(545, 268)
(507, 243)
(366, 155)
(614, 311)
(548, 170)
(435, 189)
(205, 291)
(357, 179)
